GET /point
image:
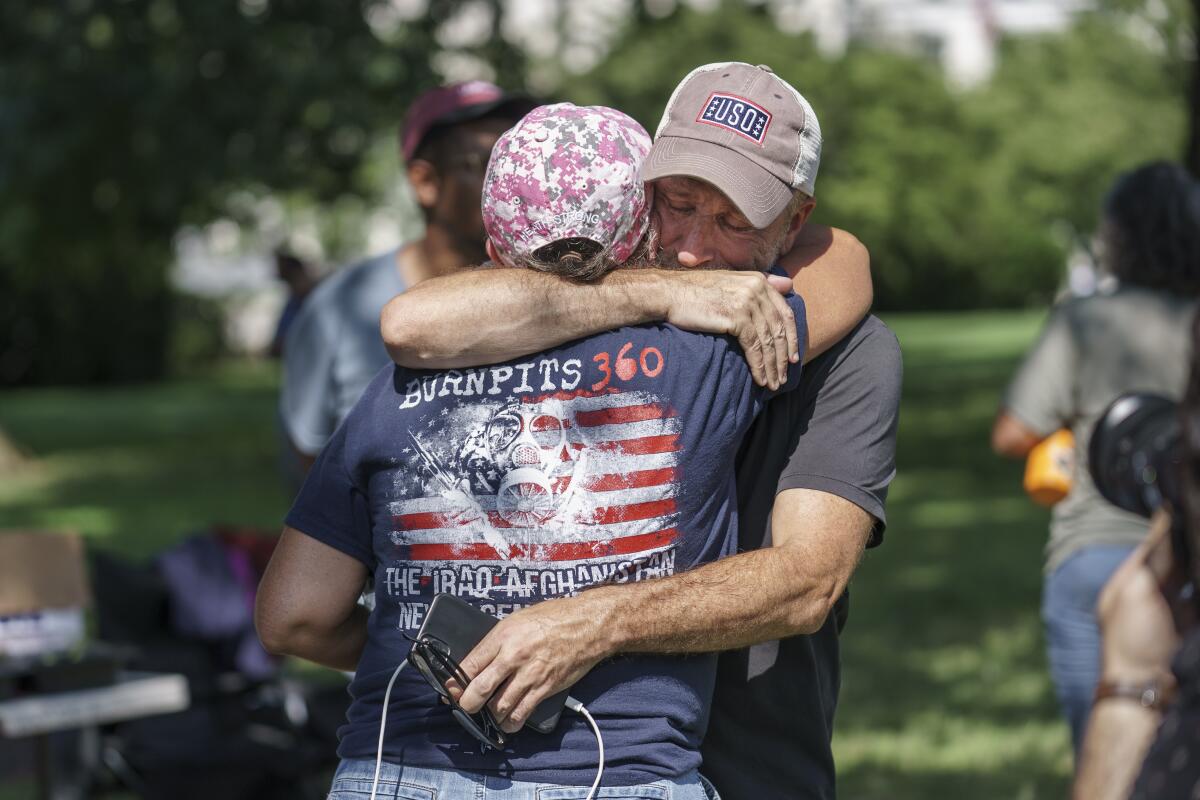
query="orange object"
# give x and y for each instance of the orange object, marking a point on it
(1050, 468)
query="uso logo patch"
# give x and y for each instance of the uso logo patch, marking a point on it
(736, 114)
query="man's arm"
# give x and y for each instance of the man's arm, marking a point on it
(517, 312)
(307, 603)
(780, 591)
(831, 270)
(305, 400)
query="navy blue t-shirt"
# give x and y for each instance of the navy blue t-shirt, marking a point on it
(609, 459)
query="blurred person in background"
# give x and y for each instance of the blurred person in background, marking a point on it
(1143, 736)
(333, 348)
(813, 471)
(300, 282)
(1091, 350)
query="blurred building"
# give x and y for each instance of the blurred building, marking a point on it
(960, 34)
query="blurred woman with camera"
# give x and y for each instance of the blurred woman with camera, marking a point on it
(1091, 350)
(1143, 735)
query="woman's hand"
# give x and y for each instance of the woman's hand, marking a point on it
(1139, 636)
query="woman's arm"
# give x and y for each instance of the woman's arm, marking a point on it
(487, 316)
(307, 603)
(1012, 438)
(1138, 640)
(1041, 397)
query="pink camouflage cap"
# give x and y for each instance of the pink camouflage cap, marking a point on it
(566, 171)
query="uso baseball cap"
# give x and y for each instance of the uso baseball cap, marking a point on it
(564, 172)
(454, 104)
(746, 131)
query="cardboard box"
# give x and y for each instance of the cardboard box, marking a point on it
(42, 570)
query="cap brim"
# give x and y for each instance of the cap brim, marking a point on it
(518, 105)
(759, 195)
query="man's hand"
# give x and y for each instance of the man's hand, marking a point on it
(745, 304)
(529, 656)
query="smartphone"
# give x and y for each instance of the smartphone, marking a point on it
(461, 626)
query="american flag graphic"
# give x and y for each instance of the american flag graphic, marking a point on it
(569, 480)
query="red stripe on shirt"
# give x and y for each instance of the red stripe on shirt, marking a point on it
(646, 445)
(606, 515)
(609, 416)
(613, 481)
(562, 551)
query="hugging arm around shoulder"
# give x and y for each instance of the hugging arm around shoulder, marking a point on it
(517, 312)
(831, 270)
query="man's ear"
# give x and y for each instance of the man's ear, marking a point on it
(425, 181)
(649, 189)
(796, 223)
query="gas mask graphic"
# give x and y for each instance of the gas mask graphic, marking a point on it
(528, 444)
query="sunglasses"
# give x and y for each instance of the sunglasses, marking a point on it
(431, 657)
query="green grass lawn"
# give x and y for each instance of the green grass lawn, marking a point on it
(135, 468)
(945, 691)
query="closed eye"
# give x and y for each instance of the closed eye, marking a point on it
(735, 227)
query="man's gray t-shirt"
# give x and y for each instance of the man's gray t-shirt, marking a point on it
(772, 715)
(1091, 351)
(334, 349)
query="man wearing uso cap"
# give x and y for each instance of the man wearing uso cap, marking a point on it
(733, 171)
(333, 348)
(746, 132)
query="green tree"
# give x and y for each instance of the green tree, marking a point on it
(1193, 144)
(123, 119)
(1065, 114)
(963, 199)
(1176, 26)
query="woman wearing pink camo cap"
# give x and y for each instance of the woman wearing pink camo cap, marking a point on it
(563, 193)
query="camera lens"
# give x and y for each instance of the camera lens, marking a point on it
(1132, 450)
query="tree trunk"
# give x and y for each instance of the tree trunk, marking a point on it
(1191, 157)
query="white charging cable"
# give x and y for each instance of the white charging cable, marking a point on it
(387, 696)
(570, 703)
(579, 708)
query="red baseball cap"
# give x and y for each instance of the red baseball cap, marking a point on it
(455, 103)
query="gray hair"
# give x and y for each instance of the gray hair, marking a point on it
(583, 260)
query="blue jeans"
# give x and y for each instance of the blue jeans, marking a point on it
(1069, 601)
(353, 782)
